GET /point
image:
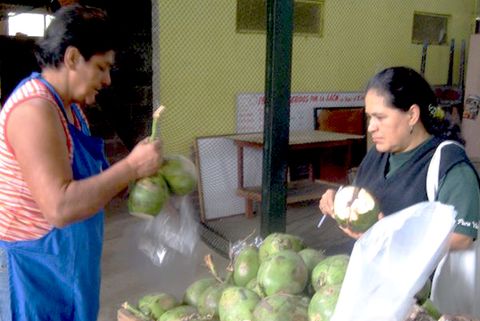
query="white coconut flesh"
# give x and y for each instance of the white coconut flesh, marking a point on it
(351, 202)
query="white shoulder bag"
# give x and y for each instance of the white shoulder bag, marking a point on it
(456, 281)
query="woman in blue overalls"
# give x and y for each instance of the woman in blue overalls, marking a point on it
(56, 275)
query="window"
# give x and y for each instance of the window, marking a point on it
(429, 27)
(30, 24)
(307, 16)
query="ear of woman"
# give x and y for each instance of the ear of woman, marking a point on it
(414, 114)
(72, 57)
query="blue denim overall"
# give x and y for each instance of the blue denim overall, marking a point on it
(57, 277)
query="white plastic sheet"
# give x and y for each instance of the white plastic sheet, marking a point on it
(172, 232)
(456, 282)
(391, 262)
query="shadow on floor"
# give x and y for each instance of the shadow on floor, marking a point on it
(302, 220)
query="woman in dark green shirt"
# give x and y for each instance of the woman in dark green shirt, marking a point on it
(406, 126)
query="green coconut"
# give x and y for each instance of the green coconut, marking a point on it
(283, 272)
(148, 196)
(255, 287)
(277, 242)
(237, 304)
(246, 265)
(196, 289)
(180, 174)
(355, 208)
(154, 305)
(322, 305)
(281, 307)
(311, 257)
(180, 313)
(304, 300)
(208, 302)
(330, 271)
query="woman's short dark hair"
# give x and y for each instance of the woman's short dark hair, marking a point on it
(403, 87)
(86, 28)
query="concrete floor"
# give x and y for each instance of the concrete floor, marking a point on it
(128, 273)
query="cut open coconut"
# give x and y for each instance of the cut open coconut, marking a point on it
(355, 208)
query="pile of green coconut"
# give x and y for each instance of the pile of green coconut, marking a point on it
(279, 280)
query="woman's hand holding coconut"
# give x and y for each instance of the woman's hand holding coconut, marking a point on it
(145, 158)
(326, 208)
(326, 203)
(354, 208)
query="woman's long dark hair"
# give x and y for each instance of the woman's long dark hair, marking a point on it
(403, 87)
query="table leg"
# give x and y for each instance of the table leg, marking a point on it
(248, 202)
(348, 160)
(311, 177)
(248, 208)
(240, 166)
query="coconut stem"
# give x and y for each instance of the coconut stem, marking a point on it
(156, 117)
(135, 312)
(211, 267)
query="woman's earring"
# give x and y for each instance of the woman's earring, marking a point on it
(411, 130)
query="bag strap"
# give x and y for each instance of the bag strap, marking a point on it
(434, 169)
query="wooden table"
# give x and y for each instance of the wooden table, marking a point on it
(301, 144)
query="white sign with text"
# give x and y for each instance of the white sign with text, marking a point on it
(250, 108)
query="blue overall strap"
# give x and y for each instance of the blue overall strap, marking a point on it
(58, 100)
(99, 150)
(83, 123)
(99, 153)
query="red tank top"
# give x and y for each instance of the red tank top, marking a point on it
(20, 217)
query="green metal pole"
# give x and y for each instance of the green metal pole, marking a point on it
(277, 115)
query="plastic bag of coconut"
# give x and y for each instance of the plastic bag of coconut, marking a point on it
(173, 232)
(391, 262)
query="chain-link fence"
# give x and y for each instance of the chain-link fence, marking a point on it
(208, 64)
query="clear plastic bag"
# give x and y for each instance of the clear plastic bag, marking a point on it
(391, 262)
(239, 245)
(174, 231)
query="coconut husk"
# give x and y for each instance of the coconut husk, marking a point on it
(419, 314)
